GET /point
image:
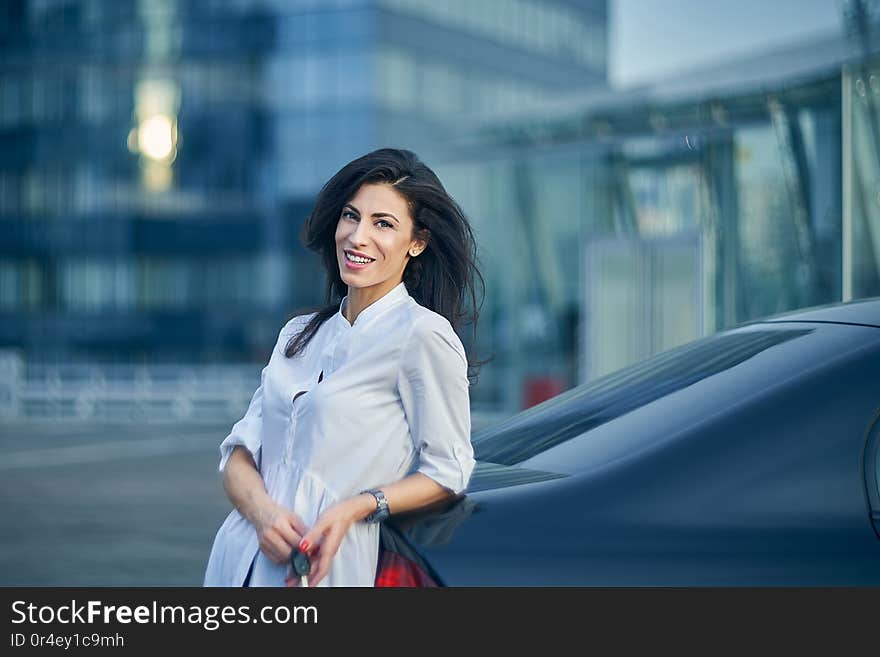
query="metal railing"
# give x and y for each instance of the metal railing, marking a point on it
(191, 394)
(137, 393)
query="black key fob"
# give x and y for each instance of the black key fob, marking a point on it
(300, 563)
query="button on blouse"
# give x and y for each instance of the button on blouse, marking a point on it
(363, 405)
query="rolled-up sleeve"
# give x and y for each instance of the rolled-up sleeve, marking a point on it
(249, 429)
(433, 388)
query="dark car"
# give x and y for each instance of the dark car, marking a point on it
(749, 457)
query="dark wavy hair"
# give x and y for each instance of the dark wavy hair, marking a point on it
(439, 278)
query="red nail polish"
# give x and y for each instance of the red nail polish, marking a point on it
(304, 546)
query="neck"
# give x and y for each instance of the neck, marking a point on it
(361, 297)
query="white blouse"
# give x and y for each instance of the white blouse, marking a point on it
(393, 395)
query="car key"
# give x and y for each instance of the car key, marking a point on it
(299, 562)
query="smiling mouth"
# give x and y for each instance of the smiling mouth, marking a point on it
(358, 260)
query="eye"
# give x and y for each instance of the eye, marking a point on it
(348, 213)
(382, 221)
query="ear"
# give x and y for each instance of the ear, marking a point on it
(418, 245)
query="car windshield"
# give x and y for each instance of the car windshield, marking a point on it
(587, 406)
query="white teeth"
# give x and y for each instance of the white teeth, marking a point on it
(358, 259)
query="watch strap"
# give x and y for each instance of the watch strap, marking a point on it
(381, 511)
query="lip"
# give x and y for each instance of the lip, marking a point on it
(354, 265)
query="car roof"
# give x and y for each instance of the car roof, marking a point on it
(865, 312)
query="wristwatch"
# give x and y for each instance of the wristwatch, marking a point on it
(381, 511)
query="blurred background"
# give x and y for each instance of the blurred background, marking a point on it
(639, 173)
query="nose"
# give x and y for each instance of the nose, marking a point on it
(361, 232)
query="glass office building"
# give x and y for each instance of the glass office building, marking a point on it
(631, 222)
(158, 157)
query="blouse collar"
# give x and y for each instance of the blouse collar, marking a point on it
(390, 298)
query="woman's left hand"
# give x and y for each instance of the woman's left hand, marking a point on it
(322, 540)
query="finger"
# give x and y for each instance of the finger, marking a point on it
(332, 541)
(279, 548)
(272, 555)
(320, 572)
(313, 538)
(325, 557)
(315, 569)
(290, 536)
(297, 523)
(268, 549)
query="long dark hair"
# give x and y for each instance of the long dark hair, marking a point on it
(438, 278)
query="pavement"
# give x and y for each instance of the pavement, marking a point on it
(101, 504)
(108, 505)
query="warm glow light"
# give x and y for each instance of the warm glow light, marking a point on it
(156, 137)
(157, 176)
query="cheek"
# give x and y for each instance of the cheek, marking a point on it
(393, 247)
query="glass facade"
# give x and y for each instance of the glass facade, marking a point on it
(620, 233)
(861, 87)
(158, 157)
(569, 32)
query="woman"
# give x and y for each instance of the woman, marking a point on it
(363, 409)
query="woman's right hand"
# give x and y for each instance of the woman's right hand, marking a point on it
(279, 530)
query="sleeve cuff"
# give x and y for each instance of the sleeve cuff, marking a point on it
(449, 472)
(229, 444)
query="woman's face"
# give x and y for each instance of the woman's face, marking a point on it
(375, 223)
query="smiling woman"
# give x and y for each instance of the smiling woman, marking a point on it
(363, 409)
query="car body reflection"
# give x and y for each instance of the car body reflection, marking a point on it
(745, 458)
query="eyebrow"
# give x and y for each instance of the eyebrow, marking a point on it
(375, 214)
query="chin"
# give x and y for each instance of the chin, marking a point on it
(348, 279)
